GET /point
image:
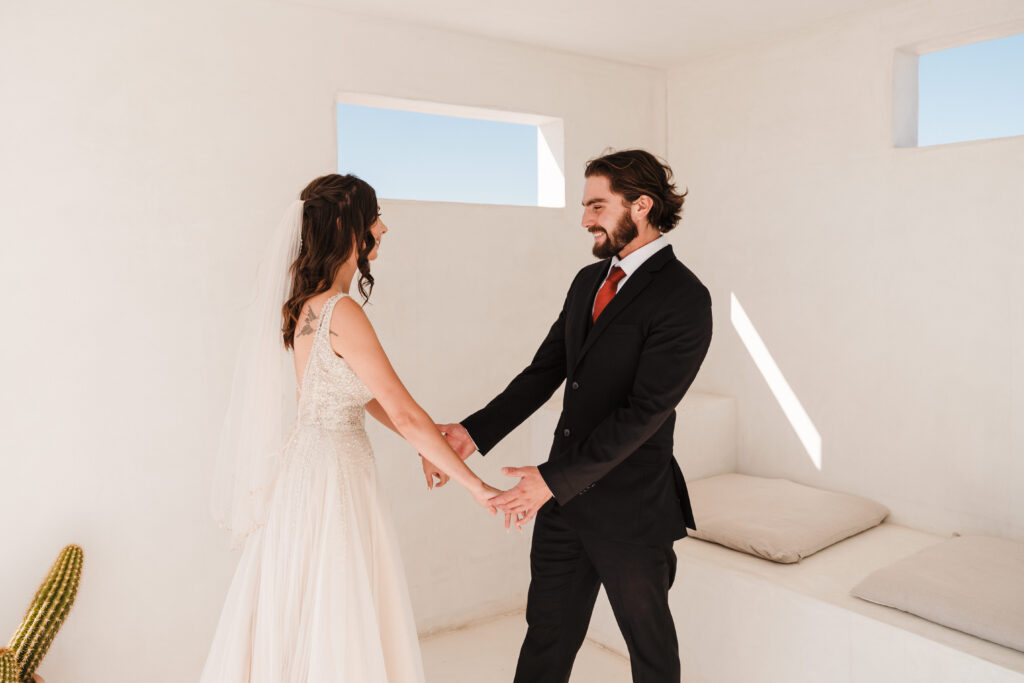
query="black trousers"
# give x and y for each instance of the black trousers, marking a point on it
(566, 571)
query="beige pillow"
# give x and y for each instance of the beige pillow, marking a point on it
(974, 584)
(777, 519)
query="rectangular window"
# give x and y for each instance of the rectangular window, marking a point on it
(437, 152)
(969, 92)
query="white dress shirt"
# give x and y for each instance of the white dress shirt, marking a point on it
(630, 264)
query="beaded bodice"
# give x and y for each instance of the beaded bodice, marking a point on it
(332, 397)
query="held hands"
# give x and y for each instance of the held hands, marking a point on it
(522, 501)
(462, 443)
(484, 494)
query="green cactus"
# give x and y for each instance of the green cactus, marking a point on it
(49, 608)
(10, 672)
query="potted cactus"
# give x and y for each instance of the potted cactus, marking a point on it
(52, 602)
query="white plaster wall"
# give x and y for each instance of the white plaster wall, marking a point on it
(148, 150)
(885, 282)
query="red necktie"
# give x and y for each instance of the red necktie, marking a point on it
(608, 289)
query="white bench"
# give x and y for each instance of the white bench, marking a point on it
(740, 618)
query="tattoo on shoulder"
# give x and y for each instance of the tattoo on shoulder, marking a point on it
(308, 326)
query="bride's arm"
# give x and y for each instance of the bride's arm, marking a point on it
(434, 476)
(376, 410)
(364, 353)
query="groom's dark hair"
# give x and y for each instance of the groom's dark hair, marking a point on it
(635, 172)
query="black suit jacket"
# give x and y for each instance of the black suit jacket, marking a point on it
(611, 467)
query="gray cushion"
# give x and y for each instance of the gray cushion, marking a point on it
(974, 584)
(777, 519)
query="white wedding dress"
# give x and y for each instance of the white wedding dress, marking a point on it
(319, 595)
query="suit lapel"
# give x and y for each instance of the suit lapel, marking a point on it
(636, 283)
(582, 311)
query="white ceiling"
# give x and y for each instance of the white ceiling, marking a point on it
(659, 33)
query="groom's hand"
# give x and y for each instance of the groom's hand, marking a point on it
(459, 439)
(524, 499)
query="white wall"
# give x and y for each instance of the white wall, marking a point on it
(148, 150)
(885, 282)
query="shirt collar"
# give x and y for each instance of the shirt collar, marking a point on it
(630, 264)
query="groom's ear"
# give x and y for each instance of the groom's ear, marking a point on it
(642, 206)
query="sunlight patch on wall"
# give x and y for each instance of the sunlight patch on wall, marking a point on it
(791, 406)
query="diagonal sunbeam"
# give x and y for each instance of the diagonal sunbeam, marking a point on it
(791, 406)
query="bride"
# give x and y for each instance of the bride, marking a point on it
(319, 594)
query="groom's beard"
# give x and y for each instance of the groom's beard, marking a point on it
(624, 233)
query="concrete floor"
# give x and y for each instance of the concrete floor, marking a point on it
(486, 652)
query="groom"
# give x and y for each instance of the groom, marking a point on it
(611, 498)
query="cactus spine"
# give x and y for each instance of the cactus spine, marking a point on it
(49, 608)
(10, 672)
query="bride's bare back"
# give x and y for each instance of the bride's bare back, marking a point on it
(305, 331)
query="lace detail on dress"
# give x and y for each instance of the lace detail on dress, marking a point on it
(332, 398)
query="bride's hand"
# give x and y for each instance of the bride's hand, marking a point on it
(483, 494)
(430, 471)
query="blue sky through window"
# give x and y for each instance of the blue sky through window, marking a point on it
(409, 155)
(972, 92)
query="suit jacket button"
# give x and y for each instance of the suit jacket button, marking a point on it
(575, 385)
(566, 432)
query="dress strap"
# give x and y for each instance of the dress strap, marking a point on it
(323, 330)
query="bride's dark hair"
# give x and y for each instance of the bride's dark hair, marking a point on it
(337, 213)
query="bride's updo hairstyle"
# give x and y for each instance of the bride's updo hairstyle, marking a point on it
(337, 213)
